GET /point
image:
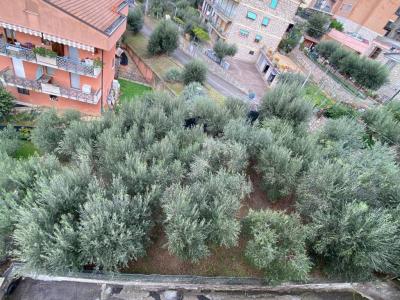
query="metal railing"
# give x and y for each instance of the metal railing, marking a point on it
(60, 62)
(217, 28)
(222, 10)
(42, 85)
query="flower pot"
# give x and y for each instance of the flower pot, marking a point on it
(46, 60)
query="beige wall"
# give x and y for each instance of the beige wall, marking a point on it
(373, 14)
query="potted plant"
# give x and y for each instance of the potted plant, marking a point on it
(45, 56)
(98, 65)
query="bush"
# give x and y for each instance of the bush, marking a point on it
(6, 103)
(223, 49)
(335, 24)
(194, 71)
(164, 39)
(173, 75)
(135, 20)
(356, 241)
(286, 101)
(9, 141)
(193, 91)
(277, 245)
(291, 40)
(327, 48)
(317, 25)
(49, 129)
(382, 125)
(336, 58)
(339, 110)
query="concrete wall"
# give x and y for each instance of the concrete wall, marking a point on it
(372, 14)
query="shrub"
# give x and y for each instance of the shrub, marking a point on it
(382, 125)
(9, 141)
(291, 40)
(277, 245)
(173, 75)
(223, 49)
(49, 129)
(201, 34)
(356, 241)
(370, 74)
(193, 91)
(339, 110)
(327, 48)
(135, 20)
(6, 103)
(286, 101)
(336, 58)
(335, 24)
(164, 39)
(317, 25)
(194, 71)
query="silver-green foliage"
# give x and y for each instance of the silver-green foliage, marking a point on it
(277, 245)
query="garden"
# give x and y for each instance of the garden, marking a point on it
(191, 186)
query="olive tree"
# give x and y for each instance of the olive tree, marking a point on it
(164, 39)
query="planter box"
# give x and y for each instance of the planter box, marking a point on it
(97, 71)
(46, 60)
(51, 89)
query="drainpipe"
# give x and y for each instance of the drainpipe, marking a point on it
(102, 82)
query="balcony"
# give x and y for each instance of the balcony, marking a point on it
(68, 64)
(44, 85)
(226, 14)
(220, 31)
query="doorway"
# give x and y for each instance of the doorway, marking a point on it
(58, 48)
(266, 68)
(18, 67)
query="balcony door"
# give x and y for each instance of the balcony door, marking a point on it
(58, 48)
(73, 53)
(18, 67)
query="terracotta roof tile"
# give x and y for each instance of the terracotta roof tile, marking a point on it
(99, 14)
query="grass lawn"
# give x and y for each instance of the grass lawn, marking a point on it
(130, 90)
(317, 97)
(26, 150)
(161, 64)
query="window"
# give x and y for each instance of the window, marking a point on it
(375, 53)
(251, 52)
(50, 71)
(258, 38)
(346, 8)
(22, 91)
(251, 15)
(265, 22)
(10, 35)
(243, 33)
(274, 4)
(398, 12)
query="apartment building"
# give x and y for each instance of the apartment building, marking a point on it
(61, 53)
(250, 24)
(367, 18)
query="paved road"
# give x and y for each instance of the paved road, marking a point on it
(222, 86)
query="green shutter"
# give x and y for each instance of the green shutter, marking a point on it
(265, 22)
(251, 15)
(274, 4)
(244, 32)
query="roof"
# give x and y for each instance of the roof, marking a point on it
(349, 41)
(99, 14)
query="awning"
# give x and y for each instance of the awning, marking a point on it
(20, 29)
(47, 36)
(67, 42)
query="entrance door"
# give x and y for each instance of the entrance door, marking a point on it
(266, 69)
(75, 81)
(18, 67)
(58, 48)
(73, 52)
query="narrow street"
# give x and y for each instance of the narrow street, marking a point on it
(222, 86)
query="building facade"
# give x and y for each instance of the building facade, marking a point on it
(366, 18)
(250, 24)
(61, 54)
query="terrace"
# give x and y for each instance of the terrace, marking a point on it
(86, 67)
(45, 85)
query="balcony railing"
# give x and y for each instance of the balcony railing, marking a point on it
(223, 11)
(44, 85)
(60, 62)
(222, 33)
